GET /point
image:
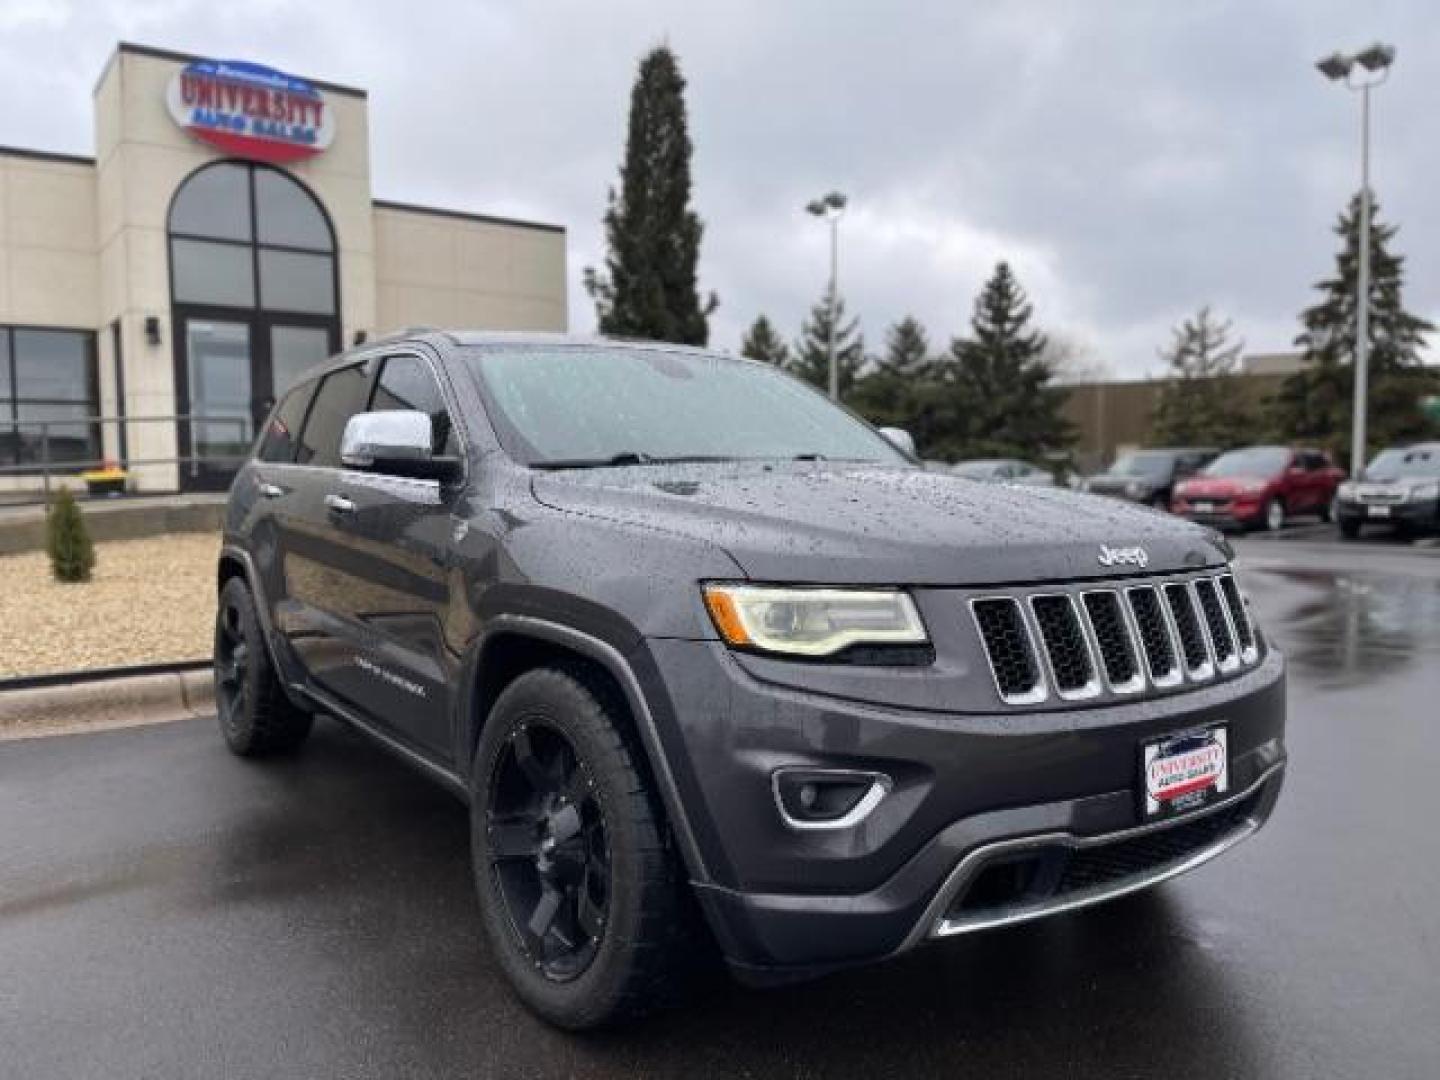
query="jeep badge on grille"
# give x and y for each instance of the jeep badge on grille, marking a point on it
(1124, 556)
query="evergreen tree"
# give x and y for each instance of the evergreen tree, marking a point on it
(649, 286)
(67, 540)
(811, 357)
(1202, 403)
(1315, 404)
(764, 344)
(894, 392)
(999, 400)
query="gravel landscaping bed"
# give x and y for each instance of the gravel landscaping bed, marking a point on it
(151, 601)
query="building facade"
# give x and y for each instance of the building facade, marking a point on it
(223, 238)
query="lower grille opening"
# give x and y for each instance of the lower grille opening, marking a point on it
(1053, 873)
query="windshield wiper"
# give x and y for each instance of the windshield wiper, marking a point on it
(631, 457)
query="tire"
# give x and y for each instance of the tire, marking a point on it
(256, 717)
(1349, 530)
(562, 808)
(1273, 520)
(1327, 510)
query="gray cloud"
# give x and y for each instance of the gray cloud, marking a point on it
(1133, 160)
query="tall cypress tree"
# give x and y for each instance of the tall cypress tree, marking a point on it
(999, 400)
(1315, 404)
(811, 358)
(648, 288)
(763, 343)
(1202, 403)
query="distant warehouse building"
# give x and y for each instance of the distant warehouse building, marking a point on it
(223, 238)
(1112, 417)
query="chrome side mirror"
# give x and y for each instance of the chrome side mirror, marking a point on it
(394, 441)
(899, 438)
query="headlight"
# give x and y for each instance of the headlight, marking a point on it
(1418, 492)
(1253, 487)
(1346, 491)
(812, 622)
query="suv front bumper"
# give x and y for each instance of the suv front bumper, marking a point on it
(1048, 799)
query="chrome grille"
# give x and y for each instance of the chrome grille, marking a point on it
(1117, 645)
(1157, 638)
(1217, 625)
(1072, 669)
(1011, 652)
(1079, 644)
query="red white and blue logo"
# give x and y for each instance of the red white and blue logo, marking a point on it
(250, 110)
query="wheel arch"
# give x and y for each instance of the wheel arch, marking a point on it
(515, 644)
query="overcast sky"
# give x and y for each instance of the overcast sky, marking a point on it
(1132, 160)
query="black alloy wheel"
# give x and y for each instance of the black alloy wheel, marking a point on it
(232, 661)
(256, 715)
(549, 849)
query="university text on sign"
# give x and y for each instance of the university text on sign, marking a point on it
(251, 111)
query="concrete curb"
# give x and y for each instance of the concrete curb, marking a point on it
(100, 705)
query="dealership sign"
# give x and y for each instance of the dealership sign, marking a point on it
(250, 111)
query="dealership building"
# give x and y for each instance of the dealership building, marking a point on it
(223, 238)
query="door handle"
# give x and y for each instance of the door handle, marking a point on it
(340, 504)
(271, 491)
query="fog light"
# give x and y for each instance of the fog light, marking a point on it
(827, 798)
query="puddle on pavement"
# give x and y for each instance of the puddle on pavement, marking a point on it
(1346, 628)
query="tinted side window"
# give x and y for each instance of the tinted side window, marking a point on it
(282, 433)
(406, 382)
(341, 396)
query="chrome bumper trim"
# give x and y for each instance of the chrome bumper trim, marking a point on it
(934, 924)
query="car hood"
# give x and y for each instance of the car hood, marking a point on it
(1393, 483)
(872, 524)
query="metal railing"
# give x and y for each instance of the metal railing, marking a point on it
(51, 450)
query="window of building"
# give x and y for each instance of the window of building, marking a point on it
(48, 392)
(341, 396)
(406, 382)
(242, 234)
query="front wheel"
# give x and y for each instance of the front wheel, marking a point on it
(256, 717)
(580, 897)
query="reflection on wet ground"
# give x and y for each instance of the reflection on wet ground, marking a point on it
(1343, 628)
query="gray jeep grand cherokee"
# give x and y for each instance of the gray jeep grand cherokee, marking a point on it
(714, 665)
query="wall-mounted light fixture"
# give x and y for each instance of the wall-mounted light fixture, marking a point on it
(152, 330)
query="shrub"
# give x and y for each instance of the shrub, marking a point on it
(67, 540)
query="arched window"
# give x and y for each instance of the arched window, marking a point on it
(254, 285)
(247, 236)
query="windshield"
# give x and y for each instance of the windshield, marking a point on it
(977, 470)
(1145, 463)
(1421, 461)
(577, 406)
(1256, 461)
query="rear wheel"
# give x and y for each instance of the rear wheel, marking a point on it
(581, 899)
(256, 717)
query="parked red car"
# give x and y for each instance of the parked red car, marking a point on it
(1260, 487)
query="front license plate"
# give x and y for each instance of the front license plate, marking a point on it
(1181, 773)
(1379, 511)
(1204, 507)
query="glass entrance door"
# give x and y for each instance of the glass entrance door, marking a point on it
(234, 370)
(220, 370)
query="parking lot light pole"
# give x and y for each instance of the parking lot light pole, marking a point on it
(1338, 67)
(831, 207)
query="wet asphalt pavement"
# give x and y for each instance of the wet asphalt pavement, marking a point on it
(168, 910)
